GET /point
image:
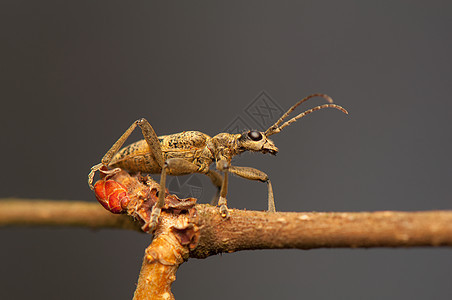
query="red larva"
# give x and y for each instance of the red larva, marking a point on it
(112, 195)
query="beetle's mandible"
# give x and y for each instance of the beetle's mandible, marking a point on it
(191, 152)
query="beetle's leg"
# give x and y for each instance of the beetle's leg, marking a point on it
(217, 180)
(154, 145)
(179, 166)
(110, 153)
(255, 174)
(150, 137)
(153, 142)
(223, 165)
(172, 166)
(93, 171)
(156, 210)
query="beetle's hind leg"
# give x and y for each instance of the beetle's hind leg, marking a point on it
(153, 142)
(104, 173)
(173, 166)
(157, 209)
(150, 137)
(154, 145)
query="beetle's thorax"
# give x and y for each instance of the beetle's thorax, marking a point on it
(223, 145)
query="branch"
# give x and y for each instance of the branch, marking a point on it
(202, 232)
(187, 229)
(168, 250)
(29, 212)
(247, 230)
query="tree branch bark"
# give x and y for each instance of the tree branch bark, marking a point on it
(163, 257)
(247, 230)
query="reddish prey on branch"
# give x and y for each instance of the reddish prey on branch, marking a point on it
(136, 195)
(193, 152)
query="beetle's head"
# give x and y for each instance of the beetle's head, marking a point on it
(259, 142)
(256, 141)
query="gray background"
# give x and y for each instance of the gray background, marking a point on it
(75, 74)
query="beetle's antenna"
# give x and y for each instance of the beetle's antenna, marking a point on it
(275, 128)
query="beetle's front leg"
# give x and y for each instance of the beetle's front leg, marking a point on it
(255, 174)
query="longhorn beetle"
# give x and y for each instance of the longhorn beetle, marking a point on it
(191, 152)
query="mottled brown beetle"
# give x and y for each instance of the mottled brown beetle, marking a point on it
(191, 152)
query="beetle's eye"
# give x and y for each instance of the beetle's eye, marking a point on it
(255, 135)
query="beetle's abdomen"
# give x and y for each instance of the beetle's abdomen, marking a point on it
(136, 157)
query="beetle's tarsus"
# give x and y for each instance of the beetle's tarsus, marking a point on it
(155, 214)
(222, 203)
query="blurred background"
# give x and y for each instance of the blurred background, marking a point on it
(75, 74)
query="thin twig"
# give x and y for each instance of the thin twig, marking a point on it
(36, 212)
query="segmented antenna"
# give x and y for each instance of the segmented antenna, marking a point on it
(275, 128)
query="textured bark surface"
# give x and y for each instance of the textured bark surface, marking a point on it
(246, 230)
(158, 271)
(168, 250)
